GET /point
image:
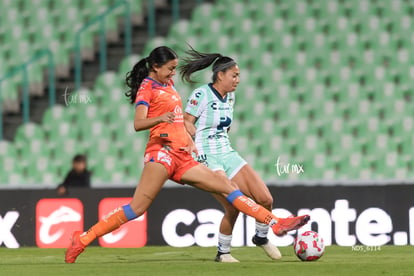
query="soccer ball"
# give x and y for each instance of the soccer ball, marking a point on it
(309, 246)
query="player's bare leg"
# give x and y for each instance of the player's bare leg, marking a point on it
(203, 178)
(225, 231)
(252, 185)
(152, 179)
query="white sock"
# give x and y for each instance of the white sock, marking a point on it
(261, 229)
(224, 243)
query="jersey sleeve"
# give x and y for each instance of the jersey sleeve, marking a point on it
(144, 95)
(196, 103)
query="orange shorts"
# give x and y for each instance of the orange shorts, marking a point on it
(177, 162)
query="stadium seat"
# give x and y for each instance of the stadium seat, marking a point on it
(28, 132)
(8, 161)
(31, 26)
(324, 85)
(126, 65)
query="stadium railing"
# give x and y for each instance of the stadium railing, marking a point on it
(23, 69)
(102, 39)
(38, 56)
(100, 19)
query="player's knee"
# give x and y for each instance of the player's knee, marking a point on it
(266, 201)
(233, 185)
(228, 185)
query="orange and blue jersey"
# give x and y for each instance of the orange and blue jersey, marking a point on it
(161, 99)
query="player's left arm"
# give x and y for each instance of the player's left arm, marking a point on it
(232, 99)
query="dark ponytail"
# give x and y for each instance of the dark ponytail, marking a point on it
(196, 61)
(158, 57)
(134, 78)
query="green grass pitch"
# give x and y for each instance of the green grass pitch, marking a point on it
(164, 260)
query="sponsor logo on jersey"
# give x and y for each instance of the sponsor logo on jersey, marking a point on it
(202, 159)
(179, 117)
(215, 107)
(193, 102)
(164, 157)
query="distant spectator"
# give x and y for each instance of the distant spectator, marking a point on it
(78, 176)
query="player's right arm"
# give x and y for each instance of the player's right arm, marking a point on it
(143, 101)
(195, 107)
(142, 122)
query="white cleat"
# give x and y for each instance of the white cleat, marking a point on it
(271, 250)
(226, 258)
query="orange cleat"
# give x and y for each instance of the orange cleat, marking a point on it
(75, 249)
(285, 225)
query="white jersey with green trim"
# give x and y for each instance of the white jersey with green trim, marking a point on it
(214, 116)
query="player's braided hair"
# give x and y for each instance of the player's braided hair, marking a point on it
(158, 57)
(196, 61)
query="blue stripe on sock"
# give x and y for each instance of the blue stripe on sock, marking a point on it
(129, 213)
(233, 195)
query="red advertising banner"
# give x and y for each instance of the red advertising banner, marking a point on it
(131, 234)
(56, 219)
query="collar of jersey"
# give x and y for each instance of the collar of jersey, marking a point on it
(218, 95)
(163, 85)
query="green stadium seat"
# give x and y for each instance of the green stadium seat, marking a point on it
(66, 148)
(201, 14)
(325, 85)
(39, 170)
(57, 113)
(59, 132)
(126, 65)
(108, 170)
(105, 82)
(153, 43)
(180, 30)
(99, 150)
(120, 118)
(14, 179)
(405, 149)
(27, 132)
(8, 161)
(33, 26)
(9, 95)
(90, 130)
(92, 8)
(7, 149)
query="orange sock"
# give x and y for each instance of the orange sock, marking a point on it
(249, 207)
(111, 222)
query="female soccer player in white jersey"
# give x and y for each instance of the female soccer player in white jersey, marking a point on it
(208, 117)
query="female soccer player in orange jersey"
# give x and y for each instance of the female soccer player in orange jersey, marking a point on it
(168, 154)
(208, 117)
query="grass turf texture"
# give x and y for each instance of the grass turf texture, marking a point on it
(390, 260)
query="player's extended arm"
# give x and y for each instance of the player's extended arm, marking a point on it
(189, 121)
(191, 146)
(191, 130)
(141, 122)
